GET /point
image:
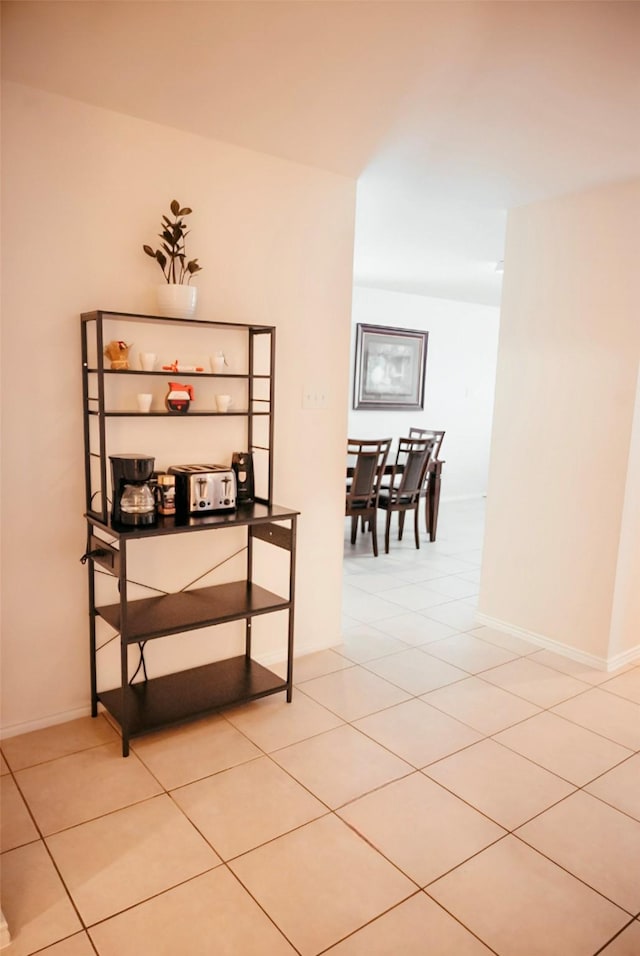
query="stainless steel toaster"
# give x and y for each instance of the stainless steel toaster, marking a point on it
(203, 488)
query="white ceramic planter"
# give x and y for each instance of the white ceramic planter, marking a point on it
(177, 301)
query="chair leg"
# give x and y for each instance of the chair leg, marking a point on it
(415, 523)
(354, 528)
(386, 532)
(373, 524)
(400, 525)
(435, 507)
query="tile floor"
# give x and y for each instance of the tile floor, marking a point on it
(436, 787)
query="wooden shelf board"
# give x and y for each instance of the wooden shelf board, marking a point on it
(186, 610)
(179, 697)
(159, 413)
(257, 512)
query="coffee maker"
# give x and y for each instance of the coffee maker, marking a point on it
(133, 498)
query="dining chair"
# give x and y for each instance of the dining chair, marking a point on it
(366, 460)
(429, 433)
(402, 493)
(432, 479)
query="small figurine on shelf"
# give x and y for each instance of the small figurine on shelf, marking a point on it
(179, 397)
(118, 353)
(181, 367)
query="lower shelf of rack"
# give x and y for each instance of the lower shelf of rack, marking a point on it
(176, 698)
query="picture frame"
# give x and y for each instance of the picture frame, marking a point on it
(390, 368)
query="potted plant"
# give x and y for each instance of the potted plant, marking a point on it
(176, 298)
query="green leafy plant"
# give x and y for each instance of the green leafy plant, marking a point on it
(172, 257)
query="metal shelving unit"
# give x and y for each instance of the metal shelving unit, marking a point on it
(149, 704)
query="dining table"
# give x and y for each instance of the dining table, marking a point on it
(431, 491)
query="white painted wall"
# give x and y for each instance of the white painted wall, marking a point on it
(561, 469)
(460, 380)
(83, 188)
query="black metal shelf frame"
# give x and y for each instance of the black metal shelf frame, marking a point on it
(93, 381)
(149, 704)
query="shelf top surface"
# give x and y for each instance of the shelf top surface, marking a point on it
(135, 317)
(245, 514)
(182, 611)
(163, 413)
(165, 372)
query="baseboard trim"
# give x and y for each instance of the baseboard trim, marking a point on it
(42, 722)
(476, 496)
(624, 659)
(275, 657)
(582, 657)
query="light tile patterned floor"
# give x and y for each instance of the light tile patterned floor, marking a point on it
(435, 788)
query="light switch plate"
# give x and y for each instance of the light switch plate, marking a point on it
(314, 396)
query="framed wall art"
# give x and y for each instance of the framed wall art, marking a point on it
(390, 366)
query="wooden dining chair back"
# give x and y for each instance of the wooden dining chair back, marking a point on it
(402, 492)
(429, 433)
(366, 460)
(432, 479)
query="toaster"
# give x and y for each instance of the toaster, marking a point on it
(203, 488)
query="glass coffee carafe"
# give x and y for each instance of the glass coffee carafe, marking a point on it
(137, 503)
(133, 500)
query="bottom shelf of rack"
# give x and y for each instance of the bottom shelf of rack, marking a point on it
(176, 698)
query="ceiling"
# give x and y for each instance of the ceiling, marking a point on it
(448, 113)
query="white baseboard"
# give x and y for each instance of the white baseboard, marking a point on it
(624, 659)
(301, 649)
(273, 657)
(582, 657)
(477, 496)
(42, 722)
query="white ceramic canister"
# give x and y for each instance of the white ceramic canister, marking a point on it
(177, 301)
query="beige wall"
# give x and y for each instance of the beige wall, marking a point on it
(565, 395)
(83, 188)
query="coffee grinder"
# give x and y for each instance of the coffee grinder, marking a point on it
(133, 498)
(242, 464)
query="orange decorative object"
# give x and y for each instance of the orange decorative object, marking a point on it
(180, 367)
(179, 397)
